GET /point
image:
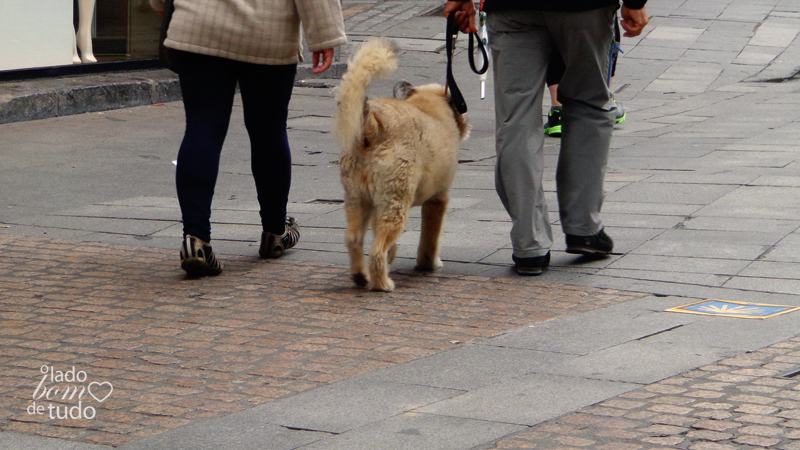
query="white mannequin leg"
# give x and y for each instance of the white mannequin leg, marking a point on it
(84, 35)
(75, 58)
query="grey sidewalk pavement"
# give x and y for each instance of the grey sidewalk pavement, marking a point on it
(703, 201)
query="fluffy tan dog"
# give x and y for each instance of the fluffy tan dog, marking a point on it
(396, 153)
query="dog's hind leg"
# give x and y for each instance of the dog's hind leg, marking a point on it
(392, 253)
(388, 226)
(433, 212)
(358, 216)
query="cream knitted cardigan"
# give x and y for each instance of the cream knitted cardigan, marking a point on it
(255, 31)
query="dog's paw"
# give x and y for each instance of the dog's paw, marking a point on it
(427, 264)
(386, 285)
(360, 279)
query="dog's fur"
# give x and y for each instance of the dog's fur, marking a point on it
(396, 153)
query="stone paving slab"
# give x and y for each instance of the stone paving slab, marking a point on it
(19, 441)
(343, 406)
(180, 350)
(205, 437)
(470, 367)
(413, 431)
(595, 331)
(529, 399)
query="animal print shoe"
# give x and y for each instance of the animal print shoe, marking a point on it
(197, 258)
(273, 245)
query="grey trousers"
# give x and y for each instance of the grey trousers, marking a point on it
(521, 44)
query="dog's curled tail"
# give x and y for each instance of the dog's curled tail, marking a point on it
(376, 58)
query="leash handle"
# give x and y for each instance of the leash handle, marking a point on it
(456, 98)
(484, 39)
(484, 55)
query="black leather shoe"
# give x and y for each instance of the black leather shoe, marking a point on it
(596, 245)
(531, 266)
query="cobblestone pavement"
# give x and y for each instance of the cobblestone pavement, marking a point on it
(745, 402)
(177, 350)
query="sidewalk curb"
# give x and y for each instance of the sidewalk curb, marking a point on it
(54, 97)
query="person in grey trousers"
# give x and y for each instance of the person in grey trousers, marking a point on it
(522, 36)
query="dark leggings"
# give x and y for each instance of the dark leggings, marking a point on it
(208, 85)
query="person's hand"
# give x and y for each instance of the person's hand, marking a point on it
(323, 60)
(633, 21)
(465, 15)
(158, 5)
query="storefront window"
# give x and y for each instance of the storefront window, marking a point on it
(125, 30)
(41, 33)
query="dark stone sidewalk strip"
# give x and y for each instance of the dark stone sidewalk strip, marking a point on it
(178, 350)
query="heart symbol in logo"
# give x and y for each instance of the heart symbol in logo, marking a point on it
(110, 387)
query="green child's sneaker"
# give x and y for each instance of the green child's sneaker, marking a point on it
(621, 114)
(553, 125)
